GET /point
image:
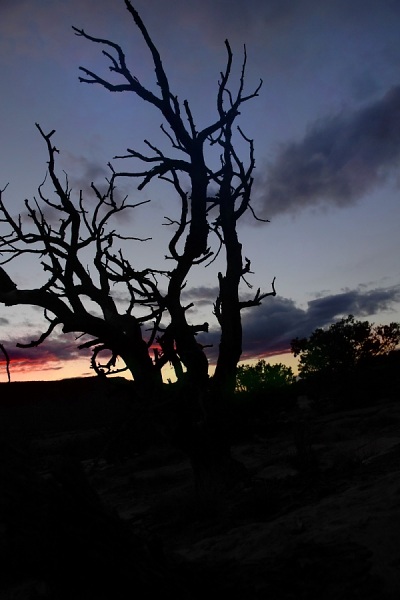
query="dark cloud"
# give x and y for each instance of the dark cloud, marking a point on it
(337, 162)
(88, 171)
(201, 295)
(269, 329)
(48, 355)
(78, 174)
(50, 214)
(82, 172)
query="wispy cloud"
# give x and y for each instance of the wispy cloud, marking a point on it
(201, 295)
(338, 161)
(51, 354)
(82, 171)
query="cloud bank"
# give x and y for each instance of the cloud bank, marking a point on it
(339, 160)
(50, 355)
(269, 329)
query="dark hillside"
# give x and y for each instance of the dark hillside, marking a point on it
(318, 516)
(70, 404)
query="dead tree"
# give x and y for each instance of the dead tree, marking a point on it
(63, 248)
(218, 195)
(232, 178)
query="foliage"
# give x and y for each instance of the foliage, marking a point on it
(263, 377)
(343, 347)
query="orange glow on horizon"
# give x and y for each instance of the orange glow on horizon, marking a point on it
(53, 370)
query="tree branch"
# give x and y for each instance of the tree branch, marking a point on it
(256, 301)
(7, 357)
(45, 335)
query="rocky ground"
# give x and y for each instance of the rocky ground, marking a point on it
(318, 516)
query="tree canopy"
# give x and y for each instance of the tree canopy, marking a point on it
(343, 346)
(263, 377)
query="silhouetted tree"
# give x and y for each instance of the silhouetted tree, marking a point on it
(338, 350)
(212, 200)
(62, 248)
(263, 377)
(231, 183)
(70, 285)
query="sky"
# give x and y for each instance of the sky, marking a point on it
(326, 130)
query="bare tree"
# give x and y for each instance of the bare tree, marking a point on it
(211, 204)
(232, 180)
(70, 284)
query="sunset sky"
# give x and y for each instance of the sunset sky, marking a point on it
(326, 129)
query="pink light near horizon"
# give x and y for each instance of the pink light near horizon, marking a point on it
(51, 370)
(47, 366)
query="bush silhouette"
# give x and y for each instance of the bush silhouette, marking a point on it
(351, 358)
(263, 377)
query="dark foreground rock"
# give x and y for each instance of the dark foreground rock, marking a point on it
(318, 516)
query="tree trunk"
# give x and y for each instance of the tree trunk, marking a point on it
(230, 348)
(135, 353)
(203, 435)
(190, 352)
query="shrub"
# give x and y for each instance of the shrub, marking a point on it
(263, 377)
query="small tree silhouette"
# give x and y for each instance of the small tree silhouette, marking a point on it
(263, 377)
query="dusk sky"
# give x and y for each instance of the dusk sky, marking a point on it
(326, 129)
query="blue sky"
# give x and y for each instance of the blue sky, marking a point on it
(326, 128)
